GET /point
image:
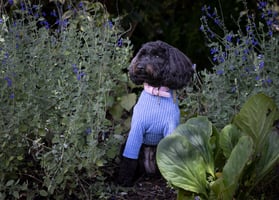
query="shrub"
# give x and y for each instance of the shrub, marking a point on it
(245, 61)
(57, 83)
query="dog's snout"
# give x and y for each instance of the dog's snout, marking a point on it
(140, 66)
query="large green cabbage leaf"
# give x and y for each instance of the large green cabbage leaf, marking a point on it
(185, 157)
(256, 119)
(181, 165)
(225, 187)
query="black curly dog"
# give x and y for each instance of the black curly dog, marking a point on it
(162, 69)
(160, 64)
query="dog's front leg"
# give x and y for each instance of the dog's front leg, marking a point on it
(127, 171)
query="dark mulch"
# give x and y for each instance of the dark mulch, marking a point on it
(156, 188)
(147, 188)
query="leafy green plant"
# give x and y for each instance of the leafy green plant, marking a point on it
(244, 59)
(57, 83)
(202, 163)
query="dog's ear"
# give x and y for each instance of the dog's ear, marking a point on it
(137, 80)
(180, 71)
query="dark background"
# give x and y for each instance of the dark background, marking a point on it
(176, 22)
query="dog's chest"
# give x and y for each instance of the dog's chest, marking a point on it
(152, 107)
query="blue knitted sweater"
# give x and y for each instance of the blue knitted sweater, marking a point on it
(154, 117)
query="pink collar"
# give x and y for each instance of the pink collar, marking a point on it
(157, 91)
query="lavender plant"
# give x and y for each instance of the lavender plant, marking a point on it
(57, 82)
(245, 61)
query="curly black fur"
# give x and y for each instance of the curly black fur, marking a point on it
(160, 64)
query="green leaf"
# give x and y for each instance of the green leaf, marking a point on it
(59, 179)
(269, 156)
(229, 137)
(9, 183)
(226, 186)
(198, 132)
(116, 111)
(256, 118)
(184, 195)
(128, 101)
(236, 163)
(43, 193)
(181, 164)
(16, 194)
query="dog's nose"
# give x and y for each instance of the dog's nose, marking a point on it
(140, 66)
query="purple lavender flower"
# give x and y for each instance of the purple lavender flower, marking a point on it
(248, 28)
(120, 42)
(22, 5)
(88, 131)
(6, 55)
(229, 37)
(268, 81)
(232, 67)
(214, 14)
(222, 57)
(75, 69)
(269, 22)
(12, 96)
(205, 8)
(262, 4)
(36, 7)
(217, 21)
(110, 24)
(11, 2)
(81, 5)
(215, 58)
(247, 69)
(53, 13)
(62, 23)
(246, 51)
(233, 90)
(80, 75)
(45, 24)
(202, 28)
(220, 72)
(213, 50)
(254, 42)
(261, 64)
(9, 81)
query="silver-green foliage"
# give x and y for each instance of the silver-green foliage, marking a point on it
(244, 58)
(56, 85)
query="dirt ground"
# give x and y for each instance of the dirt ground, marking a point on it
(156, 188)
(147, 188)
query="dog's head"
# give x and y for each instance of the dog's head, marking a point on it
(160, 64)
